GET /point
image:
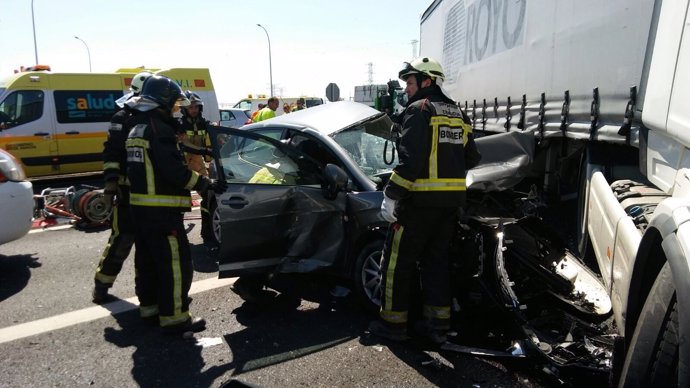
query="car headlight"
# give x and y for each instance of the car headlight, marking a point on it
(10, 169)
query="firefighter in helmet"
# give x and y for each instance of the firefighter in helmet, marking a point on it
(196, 145)
(160, 185)
(421, 202)
(116, 193)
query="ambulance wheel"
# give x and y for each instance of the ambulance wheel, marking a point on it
(653, 352)
(367, 276)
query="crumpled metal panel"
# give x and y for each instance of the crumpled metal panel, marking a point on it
(506, 159)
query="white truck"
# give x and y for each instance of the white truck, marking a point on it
(604, 87)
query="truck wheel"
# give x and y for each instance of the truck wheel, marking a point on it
(652, 355)
(367, 276)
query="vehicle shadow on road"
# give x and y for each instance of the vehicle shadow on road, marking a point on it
(282, 329)
(15, 272)
(203, 260)
(161, 360)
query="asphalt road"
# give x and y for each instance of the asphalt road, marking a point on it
(51, 335)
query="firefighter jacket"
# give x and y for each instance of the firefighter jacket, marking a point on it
(195, 142)
(434, 152)
(156, 168)
(114, 151)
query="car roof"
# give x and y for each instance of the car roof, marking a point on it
(327, 118)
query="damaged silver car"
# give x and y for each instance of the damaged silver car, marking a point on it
(304, 193)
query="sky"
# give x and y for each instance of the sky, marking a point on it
(313, 42)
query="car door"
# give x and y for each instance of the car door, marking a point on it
(274, 215)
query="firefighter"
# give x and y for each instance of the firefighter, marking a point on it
(160, 185)
(116, 186)
(421, 202)
(196, 144)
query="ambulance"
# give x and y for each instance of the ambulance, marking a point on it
(56, 123)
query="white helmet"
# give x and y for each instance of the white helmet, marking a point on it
(138, 82)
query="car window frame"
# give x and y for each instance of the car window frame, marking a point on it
(289, 150)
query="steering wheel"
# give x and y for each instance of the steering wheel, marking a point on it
(5, 118)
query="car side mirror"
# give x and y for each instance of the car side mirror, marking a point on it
(335, 181)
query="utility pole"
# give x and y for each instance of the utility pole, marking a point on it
(370, 72)
(414, 48)
(33, 24)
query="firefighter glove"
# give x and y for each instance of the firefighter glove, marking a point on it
(218, 186)
(110, 191)
(388, 209)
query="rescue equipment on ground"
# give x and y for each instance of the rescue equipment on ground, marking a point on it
(84, 206)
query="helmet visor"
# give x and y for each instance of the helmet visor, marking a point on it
(182, 100)
(406, 71)
(121, 101)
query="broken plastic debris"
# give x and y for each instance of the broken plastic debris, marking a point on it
(205, 342)
(516, 349)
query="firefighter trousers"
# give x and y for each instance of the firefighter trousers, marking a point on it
(122, 236)
(421, 237)
(163, 263)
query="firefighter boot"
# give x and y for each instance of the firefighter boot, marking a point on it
(397, 333)
(195, 325)
(434, 331)
(100, 294)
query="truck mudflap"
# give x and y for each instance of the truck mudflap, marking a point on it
(519, 292)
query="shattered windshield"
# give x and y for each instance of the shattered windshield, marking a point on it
(365, 143)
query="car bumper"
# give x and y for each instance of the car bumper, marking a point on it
(16, 207)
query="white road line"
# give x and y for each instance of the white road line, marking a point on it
(89, 314)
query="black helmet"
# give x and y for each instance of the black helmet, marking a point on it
(163, 91)
(194, 100)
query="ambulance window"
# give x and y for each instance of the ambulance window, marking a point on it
(85, 106)
(226, 115)
(21, 107)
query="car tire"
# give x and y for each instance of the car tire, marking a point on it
(367, 276)
(653, 353)
(214, 219)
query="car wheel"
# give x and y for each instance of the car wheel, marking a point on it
(367, 276)
(215, 219)
(653, 353)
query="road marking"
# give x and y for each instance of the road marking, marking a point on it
(89, 314)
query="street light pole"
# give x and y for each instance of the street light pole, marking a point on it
(34, 28)
(270, 66)
(87, 50)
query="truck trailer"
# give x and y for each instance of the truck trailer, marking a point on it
(603, 87)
